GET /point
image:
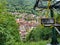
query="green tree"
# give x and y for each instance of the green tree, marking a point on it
(39, 34)
(9, 34)
(9, 28)
(3, 6)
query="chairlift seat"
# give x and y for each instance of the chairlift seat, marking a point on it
(47, 22)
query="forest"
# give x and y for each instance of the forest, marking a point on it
(20, 24)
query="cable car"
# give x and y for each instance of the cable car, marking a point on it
(48, 5)
(50, 21)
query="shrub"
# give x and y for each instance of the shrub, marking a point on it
(40, 34)
(8, 29)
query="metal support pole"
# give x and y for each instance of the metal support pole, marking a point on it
(54, 35)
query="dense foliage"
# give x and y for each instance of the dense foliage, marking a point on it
(20, 5)
(40, 34)
(9, 34)
(8, 29)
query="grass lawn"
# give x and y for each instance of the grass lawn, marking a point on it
(34, 43)
(42, 42)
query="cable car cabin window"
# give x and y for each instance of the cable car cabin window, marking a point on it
(47, 21)
(57, 0)
(42, 4)
(46, 0)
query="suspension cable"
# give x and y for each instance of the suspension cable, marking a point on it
(57, 30)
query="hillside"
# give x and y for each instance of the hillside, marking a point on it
(14, 5)
(21, 25)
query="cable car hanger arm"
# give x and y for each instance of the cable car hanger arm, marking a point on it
(44, 7)
(36, 4)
